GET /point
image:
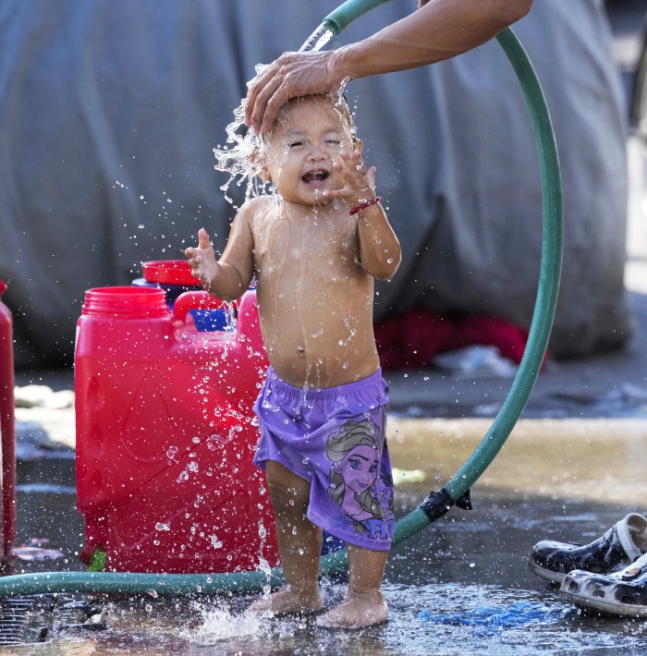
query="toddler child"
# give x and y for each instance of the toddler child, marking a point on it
(315, 246)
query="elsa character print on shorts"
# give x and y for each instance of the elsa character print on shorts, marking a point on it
(361, 482)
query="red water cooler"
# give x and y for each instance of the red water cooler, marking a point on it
(7, 430)
(166, 433)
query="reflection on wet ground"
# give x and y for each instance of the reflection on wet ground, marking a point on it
(594, 459)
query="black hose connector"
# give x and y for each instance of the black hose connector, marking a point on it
(438, 503)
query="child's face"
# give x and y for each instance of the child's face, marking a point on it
(309, 136)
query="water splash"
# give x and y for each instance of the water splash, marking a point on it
(219, 624)
(238, 158)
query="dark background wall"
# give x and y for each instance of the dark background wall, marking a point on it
(109, 111)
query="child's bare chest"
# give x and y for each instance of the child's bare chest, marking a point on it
(323, 246)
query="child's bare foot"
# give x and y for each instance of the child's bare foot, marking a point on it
(359, 610)
(287, 601)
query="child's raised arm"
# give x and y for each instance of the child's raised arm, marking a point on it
(229, 277)
(379, 247)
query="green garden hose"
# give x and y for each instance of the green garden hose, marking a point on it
(458, 486)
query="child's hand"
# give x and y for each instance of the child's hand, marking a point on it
(203, 260)
(359, 184)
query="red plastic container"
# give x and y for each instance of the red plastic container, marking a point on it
(166, 433)
(7, 429)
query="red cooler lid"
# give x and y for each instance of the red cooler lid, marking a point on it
(169, 272)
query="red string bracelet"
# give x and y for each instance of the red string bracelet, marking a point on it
(363, 206)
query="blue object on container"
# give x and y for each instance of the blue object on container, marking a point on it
(171, 291)
(211, 320)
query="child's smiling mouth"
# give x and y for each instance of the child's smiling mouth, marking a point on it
(315, 177)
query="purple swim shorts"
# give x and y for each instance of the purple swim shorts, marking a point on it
(335, 439)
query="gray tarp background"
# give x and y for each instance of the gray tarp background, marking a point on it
(109, 110)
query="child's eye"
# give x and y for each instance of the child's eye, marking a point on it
(294, 144)
(335, 142)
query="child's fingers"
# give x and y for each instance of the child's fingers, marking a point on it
(203, 239)
(370, 176)
(345, 192)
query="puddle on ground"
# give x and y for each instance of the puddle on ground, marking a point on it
(443, 619)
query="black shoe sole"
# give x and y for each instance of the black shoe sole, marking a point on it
(546, 574)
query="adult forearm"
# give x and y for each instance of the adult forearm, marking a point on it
(439, 30)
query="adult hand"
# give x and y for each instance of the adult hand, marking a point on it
(292, 74)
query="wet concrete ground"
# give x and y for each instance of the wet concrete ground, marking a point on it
(465, 562)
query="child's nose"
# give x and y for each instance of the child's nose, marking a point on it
(317, 154)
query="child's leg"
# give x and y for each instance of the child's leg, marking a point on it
(299, 543)
(364, 604)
